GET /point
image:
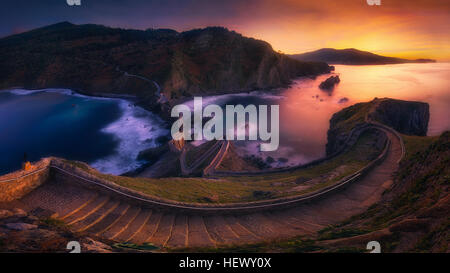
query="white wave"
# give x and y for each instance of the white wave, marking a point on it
(67, 92)
(23, 92)
(136, 130)
(221, 99)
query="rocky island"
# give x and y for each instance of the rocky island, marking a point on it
(329, 84)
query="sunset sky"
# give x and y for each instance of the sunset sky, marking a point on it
(401, 28)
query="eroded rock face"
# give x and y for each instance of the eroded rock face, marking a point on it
(407, 117)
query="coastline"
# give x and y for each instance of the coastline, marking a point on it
(136, 126)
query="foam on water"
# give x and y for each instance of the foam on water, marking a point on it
(136, 130)
(221, 99)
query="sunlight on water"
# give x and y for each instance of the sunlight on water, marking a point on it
(306, 111)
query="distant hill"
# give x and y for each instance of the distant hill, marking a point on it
(352, 56)
(93, 58)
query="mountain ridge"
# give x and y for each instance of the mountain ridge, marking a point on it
(93, 58)
(352, 56)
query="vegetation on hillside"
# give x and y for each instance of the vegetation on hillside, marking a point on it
(244, 189)
(93, 58)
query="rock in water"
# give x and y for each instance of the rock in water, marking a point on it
(328, 84)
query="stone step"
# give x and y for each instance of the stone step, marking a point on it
(257, 225)
(109, 219)
(148, 229)
(197, 234)
(135, 226)
(164, 230)
(95, 217)
(120, 224)
(87, 210)
(244, 234)
(220, 231)
(77, 208)
(287, 218)
(179, 232)
(61, 198)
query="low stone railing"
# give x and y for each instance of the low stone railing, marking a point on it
(70, 173)
(17, 184)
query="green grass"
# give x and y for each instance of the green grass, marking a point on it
(297, 244)
(350, 117)
(145, 246)
(330, 234)
(50, 221)
(242, 189)
(415, 144)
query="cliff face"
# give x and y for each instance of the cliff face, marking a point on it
(407, 117)
(94, 59)
(342, 123)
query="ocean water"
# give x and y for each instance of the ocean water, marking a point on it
(106, 133)
(109, 133)
(305, 110)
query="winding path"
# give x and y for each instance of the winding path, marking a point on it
(108, 216)
(187, 170)
(161, 97)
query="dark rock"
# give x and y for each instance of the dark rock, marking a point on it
(153, 154)
(20, 226)
(161, 140)
(407, 117)
(283, 160)
(19, 212)
(328, 84)
(5, 213)
(270, 160)
(343, 100)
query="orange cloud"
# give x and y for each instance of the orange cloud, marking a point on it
(412, 29)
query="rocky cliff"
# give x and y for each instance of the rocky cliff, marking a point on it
(407, 117)
(97, 59)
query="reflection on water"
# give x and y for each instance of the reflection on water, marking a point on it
(305, 110)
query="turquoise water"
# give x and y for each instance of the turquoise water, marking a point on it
(107, 133)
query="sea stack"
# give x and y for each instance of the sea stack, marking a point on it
(328, 84)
